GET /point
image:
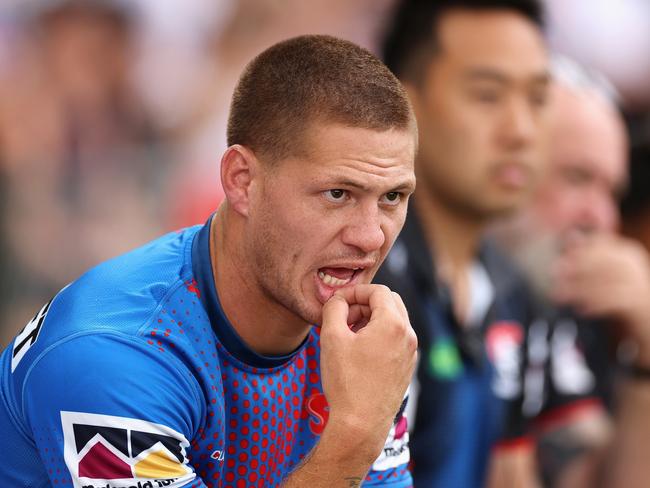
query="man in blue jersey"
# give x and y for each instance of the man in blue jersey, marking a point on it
(477, 73)
(191, 362)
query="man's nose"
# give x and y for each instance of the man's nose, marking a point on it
(365, 231)
(520, 126)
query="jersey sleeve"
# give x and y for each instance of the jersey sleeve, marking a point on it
(391, 467)
(107, 411)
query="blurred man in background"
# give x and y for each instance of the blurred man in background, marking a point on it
(492, 360)
(587, 277)
(477, 74)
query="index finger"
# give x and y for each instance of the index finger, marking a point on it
(335, 313)
(370, 295)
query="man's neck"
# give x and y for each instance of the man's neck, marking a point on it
(453, 239)
(452, 236)
(265, 326)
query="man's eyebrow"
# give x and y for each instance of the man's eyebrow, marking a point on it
(491, 74)
(353, 184)
(406, 185)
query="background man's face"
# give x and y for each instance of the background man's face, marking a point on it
(481, 112)
(586, 172)
(326, 219)
(587, 167)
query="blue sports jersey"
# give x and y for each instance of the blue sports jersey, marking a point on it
(132, 377)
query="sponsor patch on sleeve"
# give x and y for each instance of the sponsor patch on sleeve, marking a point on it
(104, 451)
(396, 449)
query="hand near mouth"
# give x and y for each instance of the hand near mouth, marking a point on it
(368, 354)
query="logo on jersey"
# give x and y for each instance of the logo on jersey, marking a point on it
(28, 336)
(395, 452)
(571, 374)
(503, 342)
(396, 449)
(103, 451)
(319, 411)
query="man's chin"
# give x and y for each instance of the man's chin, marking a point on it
(311, 314)
(536, 258)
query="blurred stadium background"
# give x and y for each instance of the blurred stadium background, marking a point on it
(113, 115)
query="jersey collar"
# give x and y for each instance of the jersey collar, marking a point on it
(225, 332)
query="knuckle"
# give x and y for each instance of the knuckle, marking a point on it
(383, 289)
(412, 339)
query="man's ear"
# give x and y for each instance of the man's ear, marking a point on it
(239, 167)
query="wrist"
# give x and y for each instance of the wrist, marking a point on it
(356, 436)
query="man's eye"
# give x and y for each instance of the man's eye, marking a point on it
(335, 195)
(487, 96)
(392, 198)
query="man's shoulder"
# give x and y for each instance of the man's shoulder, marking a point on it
(119, 295)
(128, 287)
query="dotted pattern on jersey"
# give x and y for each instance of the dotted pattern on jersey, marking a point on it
(50, 441)
(260, 423)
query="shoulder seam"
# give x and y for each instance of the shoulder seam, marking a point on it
(134, 339)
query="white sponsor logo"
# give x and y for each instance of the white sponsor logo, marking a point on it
(28, 336)
(396, 449)
(570, 371)
(104, 451)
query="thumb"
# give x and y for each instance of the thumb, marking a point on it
(335, 313)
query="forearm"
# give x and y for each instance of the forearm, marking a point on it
(342, 457)
(627, 463)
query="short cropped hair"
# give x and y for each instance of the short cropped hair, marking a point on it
(411, 38)
(313, 79)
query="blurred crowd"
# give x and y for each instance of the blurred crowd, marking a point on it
(113, 115)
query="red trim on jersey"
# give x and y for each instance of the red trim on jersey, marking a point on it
(512, 444)
(567, 413)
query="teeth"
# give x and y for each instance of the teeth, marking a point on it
(331, 280)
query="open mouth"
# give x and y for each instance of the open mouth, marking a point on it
(338, 277)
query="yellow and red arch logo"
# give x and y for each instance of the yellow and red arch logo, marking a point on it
(116, 451)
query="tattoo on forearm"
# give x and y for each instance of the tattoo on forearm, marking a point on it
(354, 482)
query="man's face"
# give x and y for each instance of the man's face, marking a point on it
(586, 172)
(481, 112)
(587, 167)
(327, 219)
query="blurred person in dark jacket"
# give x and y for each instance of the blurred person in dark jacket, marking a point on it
(477, 74)
(492, 365)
